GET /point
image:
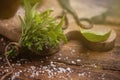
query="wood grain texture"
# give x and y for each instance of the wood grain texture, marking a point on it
(73, 62)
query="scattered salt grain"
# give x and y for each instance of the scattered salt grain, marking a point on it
(61, 70)
(46, 57)
(13, 77)
(81, 74)
(18, 64)
(1, 66)
(18, 61)
(78, 60)
(42, 72)
(16, 74)
(59, 58)
(13, 64)
(42, 61)
(94, 65)
(103, 76)
(68, 69)
(52, 64)
(2, 39)
(66, 58)
(33, 75)
(73, 62)
(0, 58)
(60, 54)
(32, 67)
(37, 73)
(6, 70)
(72, 51)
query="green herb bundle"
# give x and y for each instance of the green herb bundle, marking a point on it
(39, 30)
(32, 2)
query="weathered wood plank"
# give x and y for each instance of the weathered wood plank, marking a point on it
(73, 62)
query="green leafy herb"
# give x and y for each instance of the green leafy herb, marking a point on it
(40, 30)
(32, 2)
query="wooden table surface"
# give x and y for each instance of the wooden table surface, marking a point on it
(73, 62)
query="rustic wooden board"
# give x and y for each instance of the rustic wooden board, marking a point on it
(73, 62)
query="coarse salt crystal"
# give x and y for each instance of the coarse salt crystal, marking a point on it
(33, 75)
(81, 74)
(61, 70)
(73, 62)
(2, 39)
(32, 67)
(60, 54)
(0, 58)
(68, 69)
(37, 73)
(59, 58)
(78, 60)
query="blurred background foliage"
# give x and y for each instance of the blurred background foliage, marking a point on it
(99, 11)
(111, 15)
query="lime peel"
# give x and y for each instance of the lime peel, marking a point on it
(95, 36)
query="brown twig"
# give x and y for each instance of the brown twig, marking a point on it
(7, 60)
(66, 24)
(6, 75)
(11, 68)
